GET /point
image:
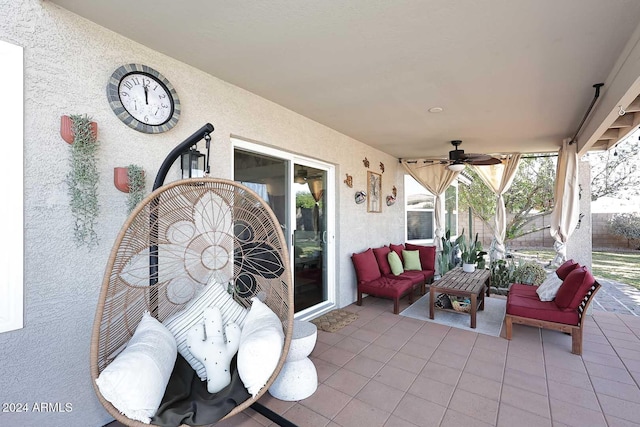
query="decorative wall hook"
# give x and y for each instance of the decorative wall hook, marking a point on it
(349, 181)
(394, 191)
(366, 162)
(382, 167)
(621, 111)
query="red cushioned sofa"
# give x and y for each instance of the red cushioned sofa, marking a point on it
(374, 276)
(565, 313)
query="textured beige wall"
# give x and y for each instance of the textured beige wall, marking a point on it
(67, 63)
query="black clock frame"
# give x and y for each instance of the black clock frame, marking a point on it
(121, 112)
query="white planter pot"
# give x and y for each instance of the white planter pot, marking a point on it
(468, 268)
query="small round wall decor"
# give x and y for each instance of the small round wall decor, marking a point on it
(143, 99)
(360, 197)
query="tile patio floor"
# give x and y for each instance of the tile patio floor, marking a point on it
(393, 371)
(389, 370)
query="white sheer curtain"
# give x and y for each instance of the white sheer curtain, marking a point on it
(317, 191)
(565, 215)
(499, 179)
(435, 178)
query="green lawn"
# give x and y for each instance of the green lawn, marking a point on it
(621, 267)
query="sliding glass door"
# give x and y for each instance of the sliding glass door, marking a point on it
(298, 191)
(310, 236)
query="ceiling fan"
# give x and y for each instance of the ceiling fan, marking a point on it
(458, 159)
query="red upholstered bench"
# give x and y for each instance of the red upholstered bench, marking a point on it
(374, 276)
(565, 313)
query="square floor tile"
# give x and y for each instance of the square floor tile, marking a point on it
(474, 405)
(380, 395)
(326, 400)
(358, 413)
(347, 381)
(419, 411)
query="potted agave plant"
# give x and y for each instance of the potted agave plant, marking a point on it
(472, 254)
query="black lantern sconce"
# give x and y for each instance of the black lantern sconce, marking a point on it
(193, 164)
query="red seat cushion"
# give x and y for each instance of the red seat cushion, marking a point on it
(574, 288)
(397, 249)
(386, 287)
(383, 261)
(524, 305)
(566, 268)
(415, 276)
(524, 290)
(427, 255)
(366, 266)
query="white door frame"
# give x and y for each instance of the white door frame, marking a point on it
(330, 213)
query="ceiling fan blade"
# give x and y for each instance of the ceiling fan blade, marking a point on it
(432, 162)
(484, 162)
(476, 156)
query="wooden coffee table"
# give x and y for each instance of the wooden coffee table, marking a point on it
(458, 283)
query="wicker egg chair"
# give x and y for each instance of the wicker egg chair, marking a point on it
(171, 245)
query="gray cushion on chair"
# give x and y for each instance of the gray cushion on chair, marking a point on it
(187, 401)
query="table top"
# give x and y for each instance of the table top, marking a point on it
(458, 280)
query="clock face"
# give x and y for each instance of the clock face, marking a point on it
(143, 99)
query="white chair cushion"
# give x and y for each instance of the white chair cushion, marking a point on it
(137, 378)
(549, 288)
(261, 343)
(180, 323)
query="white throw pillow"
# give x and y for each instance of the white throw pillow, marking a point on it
(137, 378)
(180, 323)
(549, 288)
(261, 343)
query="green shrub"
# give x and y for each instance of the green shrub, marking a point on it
(530, 272)
(626, 225)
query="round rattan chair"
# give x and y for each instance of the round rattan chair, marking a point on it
(171, 245)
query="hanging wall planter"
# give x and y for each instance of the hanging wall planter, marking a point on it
(66, 129)
(121, 179)
(130, 179)
(82, 178)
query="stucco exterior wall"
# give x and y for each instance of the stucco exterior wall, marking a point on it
(67, 63)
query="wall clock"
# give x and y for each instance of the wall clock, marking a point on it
(143, 98)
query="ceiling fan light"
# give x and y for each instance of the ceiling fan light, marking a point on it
(456, 167)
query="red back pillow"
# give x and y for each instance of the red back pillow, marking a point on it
(566, 268)
(366, 266)
(574, 287)
(383, 261)
(397, 249)
(427, 255)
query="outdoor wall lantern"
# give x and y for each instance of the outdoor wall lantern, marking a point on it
(193, 164)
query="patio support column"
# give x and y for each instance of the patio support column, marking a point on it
(580, 245)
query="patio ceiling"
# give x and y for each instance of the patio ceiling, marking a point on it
(510, 76)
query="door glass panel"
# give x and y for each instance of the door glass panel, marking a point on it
(267, 176)
(309, 237)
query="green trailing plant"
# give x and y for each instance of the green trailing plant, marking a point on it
(530, 272)
(137, 184)
(472, 252)
(82, 180)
